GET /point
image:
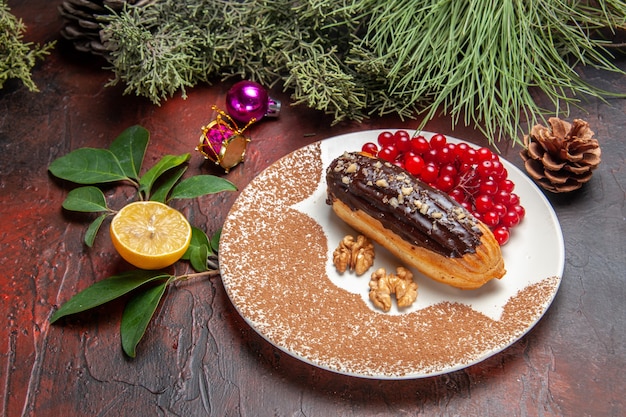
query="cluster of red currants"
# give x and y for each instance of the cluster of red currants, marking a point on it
(475, 177)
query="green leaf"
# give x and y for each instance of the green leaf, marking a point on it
(106, 290)
(198, 239)
(166, 163)
(137, 316)
(163, 188)
(130, 148)
(199, 250)
(92, 230)
(88, 166)
(200, 185)
(215, 241)
(85, 199)
(198, 258)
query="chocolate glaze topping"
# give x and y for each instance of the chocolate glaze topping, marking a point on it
(420, 214)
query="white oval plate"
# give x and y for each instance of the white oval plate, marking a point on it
(276, 265)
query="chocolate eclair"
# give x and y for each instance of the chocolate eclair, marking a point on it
(422, 226)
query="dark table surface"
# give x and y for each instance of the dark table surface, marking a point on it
(199, 357)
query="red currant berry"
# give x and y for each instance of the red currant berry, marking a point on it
(385, 139)
(438, 141)
(483, 203)
(402, 140)
(388, 153)
(521, 211)
(469, 157)
(510, 219)
(499, 172)
(488, 187)
(448, 169)
(500, 209)
(457, 194)
(502, 197)
(399, 162)
(430, 173)
(445, 182)
(370, 148)
(491, 218)
(485, 169)
(460, 149)
(419, 145)
(406, 155)
(506, 185)
(508, 199)
(445, 156)
(484, 154)
(501, 234)
(432, 156)
(513, 200)
(464, 169)
(414, 164)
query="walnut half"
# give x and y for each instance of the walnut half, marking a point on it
(354, 255)
(382, 285)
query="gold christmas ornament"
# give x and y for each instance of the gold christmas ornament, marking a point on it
(561, 157)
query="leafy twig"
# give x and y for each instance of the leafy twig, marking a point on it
(122, 163)
(139, 309)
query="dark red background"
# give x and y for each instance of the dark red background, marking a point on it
(199, 357)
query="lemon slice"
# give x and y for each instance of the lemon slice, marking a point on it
(150, 235)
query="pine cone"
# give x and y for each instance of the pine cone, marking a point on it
(561, 158)
(82, 24)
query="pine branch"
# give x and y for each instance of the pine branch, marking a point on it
(481, 62)
(17, 58)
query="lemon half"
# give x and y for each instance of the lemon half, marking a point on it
(150, 235)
